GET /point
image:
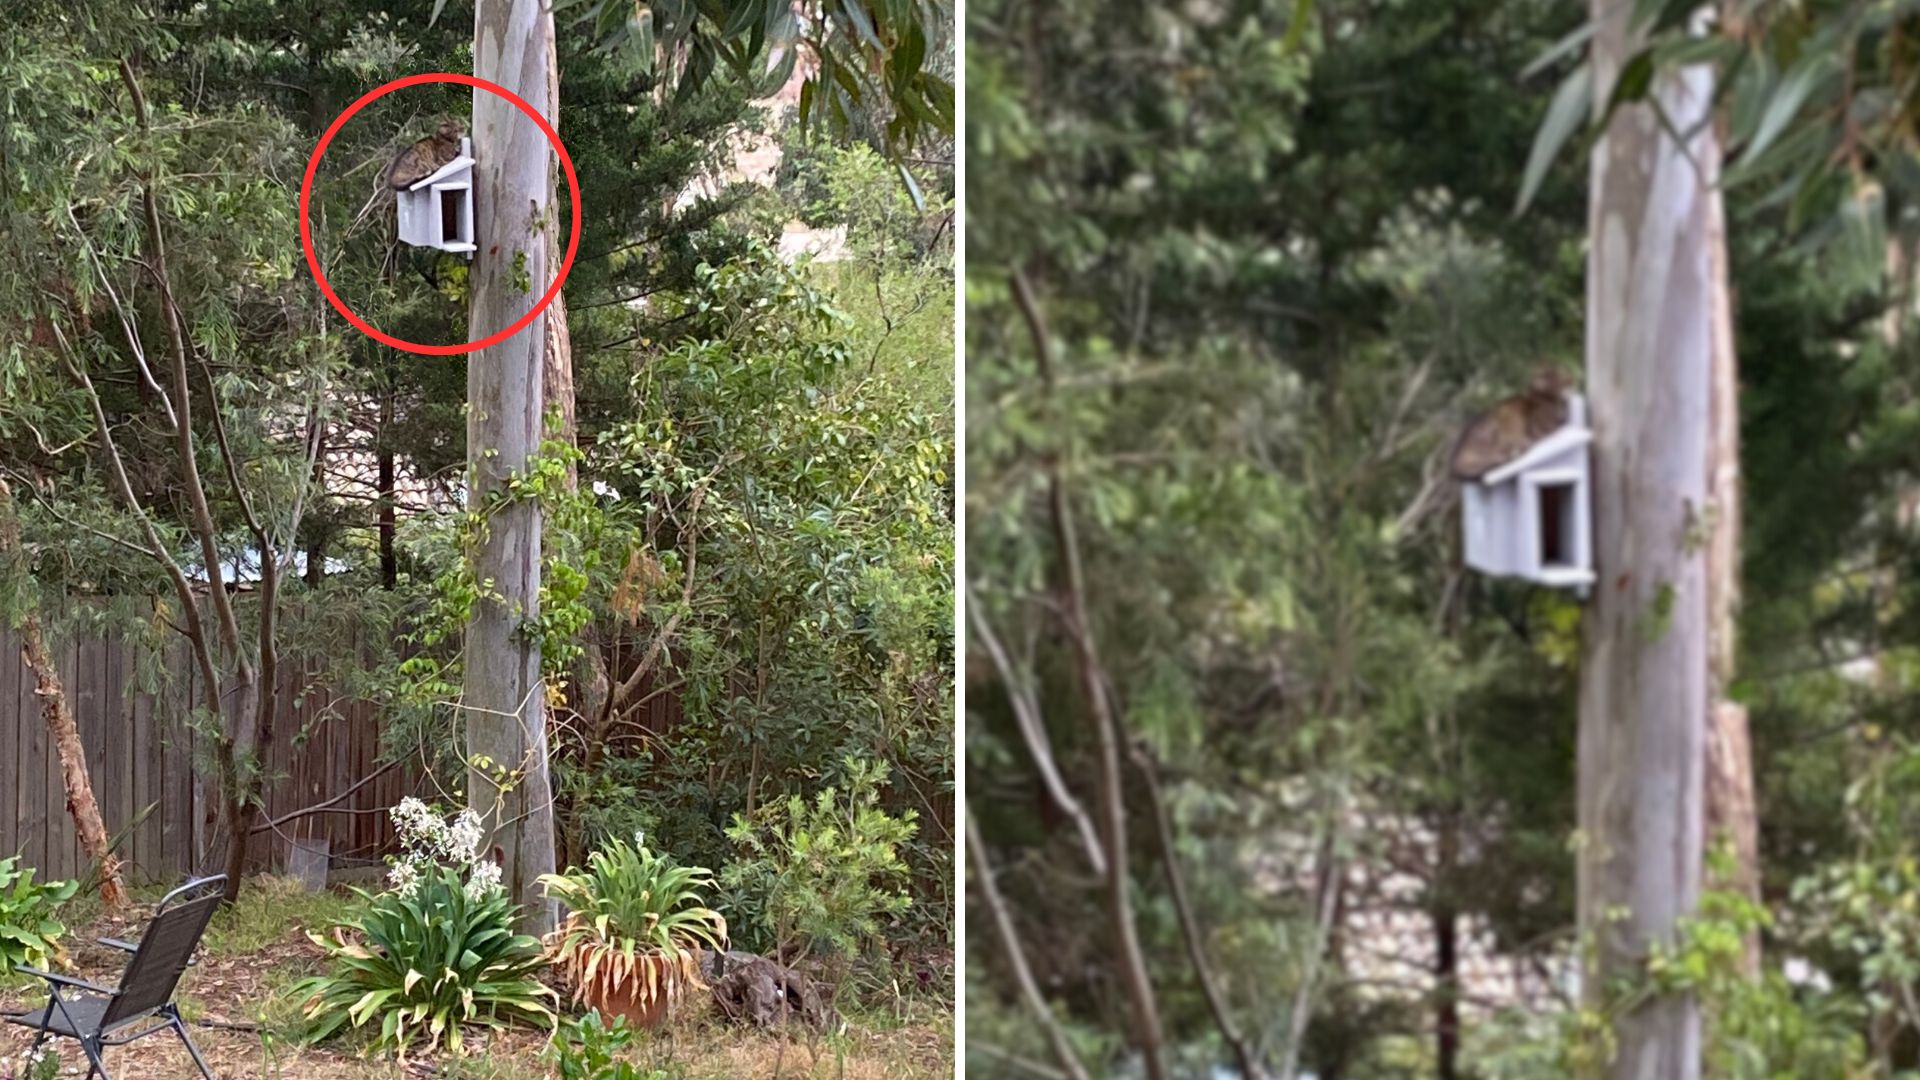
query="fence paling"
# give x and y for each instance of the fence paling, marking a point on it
(140, 750)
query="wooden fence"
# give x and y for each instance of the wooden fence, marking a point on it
(152, 779)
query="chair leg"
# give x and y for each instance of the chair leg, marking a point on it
(46, 1022)
(92, 1049)
(180, 1027)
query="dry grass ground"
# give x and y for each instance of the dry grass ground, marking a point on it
(243, 1018)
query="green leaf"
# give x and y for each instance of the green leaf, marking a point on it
(913, 186)
(1297, 26)
(1565, 47)
(1635, 79)
(1570, 109)
(640, 29)
(609, 20)
(1783, 105)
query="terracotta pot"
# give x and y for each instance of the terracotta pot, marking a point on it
(625, 1000)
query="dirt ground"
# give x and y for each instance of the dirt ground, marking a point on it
(243, 1018)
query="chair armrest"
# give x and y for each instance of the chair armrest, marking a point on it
(134, 947)
(62, 980)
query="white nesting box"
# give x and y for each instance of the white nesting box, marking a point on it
(1532, 518)
(437, 211)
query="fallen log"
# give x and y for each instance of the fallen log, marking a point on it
(748, 988)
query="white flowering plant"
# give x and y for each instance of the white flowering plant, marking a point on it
(429, 841)
(433, 955)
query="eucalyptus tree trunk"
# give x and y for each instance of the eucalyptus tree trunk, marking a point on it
(1659, 637)
(503, 696)
(1656, 328)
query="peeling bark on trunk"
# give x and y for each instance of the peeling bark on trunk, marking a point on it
(73, 762)
(61, 728)
(1654, 280)
(589, 685)
(1732, 817)
(504, 697)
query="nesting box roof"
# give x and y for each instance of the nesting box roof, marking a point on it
(1574, 433)
(465, 160)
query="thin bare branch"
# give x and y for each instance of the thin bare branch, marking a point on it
(202, 513)
(1327, 904)
(156, 547)
(1033, 729)
(1016, 956)
(1146, 1030)
(323, 807)
(1189, 924)
(129, 325)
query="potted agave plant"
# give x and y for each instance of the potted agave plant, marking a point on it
(636, 922)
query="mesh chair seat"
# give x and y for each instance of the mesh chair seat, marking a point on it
(84, 1009)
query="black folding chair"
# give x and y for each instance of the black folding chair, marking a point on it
(98, 1017)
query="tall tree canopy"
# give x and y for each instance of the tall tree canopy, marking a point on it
(1238, 274)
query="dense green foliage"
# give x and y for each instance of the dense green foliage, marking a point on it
(748, 492)
(30, 931)
(824, 871)
(1274, 269)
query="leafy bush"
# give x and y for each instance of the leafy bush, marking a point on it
(1763, 1025)
(827, 871)
(29, 933)
(434, 953)
(636, 919)
(428, 961)
(588, 1049)
(773, 509)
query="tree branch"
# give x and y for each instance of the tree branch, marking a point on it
(322, 807)
(202, 514)
(1033, 729)
(1328, 905)
(183, 590)
(1189, 925)
(1146, 1034)
(989, 892)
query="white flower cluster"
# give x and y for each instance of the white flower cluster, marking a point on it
(427, 839)
(485, 879)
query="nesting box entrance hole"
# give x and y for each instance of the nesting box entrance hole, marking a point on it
(450, 213)
(1557, 525)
